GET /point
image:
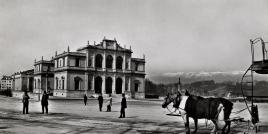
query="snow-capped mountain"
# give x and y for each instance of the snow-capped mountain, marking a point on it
(188, 77)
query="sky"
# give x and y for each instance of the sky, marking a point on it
(174, 35)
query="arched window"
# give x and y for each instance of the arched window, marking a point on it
(63, 84)
(118, 86)
(98, 61)
(77, 83)
(119, 62)
(108, 85)
(109, 61)
(98, 84)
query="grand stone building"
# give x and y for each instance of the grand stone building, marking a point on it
(105, 68)
(23, 81)
(43, 76)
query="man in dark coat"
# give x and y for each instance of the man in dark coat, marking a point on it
(25, 101)
(44, 102)
(123, 106)
(100, 99)
(85, 99)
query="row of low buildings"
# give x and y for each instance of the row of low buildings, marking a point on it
(105, 68)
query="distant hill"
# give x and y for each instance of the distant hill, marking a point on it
(208, 88)
(189, 77)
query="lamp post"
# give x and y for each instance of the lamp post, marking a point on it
(254, 109)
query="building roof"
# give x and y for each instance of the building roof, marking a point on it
(6, 77)
(108, 45)
(27, 72)
(138, 60)
(79, 54)
(44, 62)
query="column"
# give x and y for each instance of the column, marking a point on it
(86, 81)
(114, 61)
(28, 83)
(124, 62)
(87, 56)
(93, 60)
(113, 86)
(129, 84)
(103, 85)
(46, 81)
(124, 84)
(67, 61)
(93, 83)
(130, 64)
(104, 61)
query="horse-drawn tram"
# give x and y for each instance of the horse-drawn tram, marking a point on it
(220, 110)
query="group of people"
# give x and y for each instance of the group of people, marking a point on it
(45, 96)
(109, 104)
(25, 102)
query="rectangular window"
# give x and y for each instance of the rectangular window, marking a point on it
(63, 62)
(126, 66)
(136, 87)
(48, 83)
(57, 63)
(77, 62)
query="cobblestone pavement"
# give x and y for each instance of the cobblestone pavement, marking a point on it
(72, 117)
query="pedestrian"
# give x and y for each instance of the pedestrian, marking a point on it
(44, 102)
(85, 99)
(123, 106)
(100, 99)
(109, 103)
(25, 101)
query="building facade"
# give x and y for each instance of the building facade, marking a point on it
(23, 81)
(6, 82)
(43, 76)
(105, 68)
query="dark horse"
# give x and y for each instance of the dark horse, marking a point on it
(217, 110)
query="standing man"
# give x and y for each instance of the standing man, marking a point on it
(25, 101)
(44, 102)
(85, 99)
(100, 99)
(123, 106)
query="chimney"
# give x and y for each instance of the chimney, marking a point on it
(68, 49)
(56, 54)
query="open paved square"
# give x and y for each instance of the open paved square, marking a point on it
(73, 117)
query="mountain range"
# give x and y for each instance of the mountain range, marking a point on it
(189, 77)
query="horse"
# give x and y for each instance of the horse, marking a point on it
(217, 110)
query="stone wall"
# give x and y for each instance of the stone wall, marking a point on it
(19, 94)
